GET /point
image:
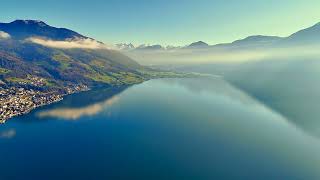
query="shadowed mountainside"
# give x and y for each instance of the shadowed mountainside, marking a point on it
(32, 48)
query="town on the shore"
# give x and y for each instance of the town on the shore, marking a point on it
(21, 99)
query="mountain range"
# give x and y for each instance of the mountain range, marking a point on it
(64, 57)
(306, 36)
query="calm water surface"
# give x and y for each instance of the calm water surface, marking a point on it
(200, 128)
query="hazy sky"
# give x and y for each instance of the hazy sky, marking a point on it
(176, 22)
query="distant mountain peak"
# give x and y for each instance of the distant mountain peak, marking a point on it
(125, 46)
(198, 44)
(150, 47)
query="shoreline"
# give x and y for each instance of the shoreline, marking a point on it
(19, 101)
(3, 121)
(38, 99)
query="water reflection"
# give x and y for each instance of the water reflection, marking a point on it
(76, 113)
(8, 134)
(188, 128)
(216, 85)
(290, 87)
(76, 106)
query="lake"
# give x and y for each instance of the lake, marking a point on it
(195, 128)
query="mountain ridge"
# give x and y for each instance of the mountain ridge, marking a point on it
(23, 29)
(307, 35)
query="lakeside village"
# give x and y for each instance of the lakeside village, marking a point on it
(17, 100)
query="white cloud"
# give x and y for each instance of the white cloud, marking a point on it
(69, 44)
(4, 35)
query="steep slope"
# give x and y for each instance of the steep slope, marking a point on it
(21, 58)
(309, 35)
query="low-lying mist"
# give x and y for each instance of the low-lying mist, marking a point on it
(284, 79)
(221, 55)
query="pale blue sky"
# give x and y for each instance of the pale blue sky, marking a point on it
(175, 22)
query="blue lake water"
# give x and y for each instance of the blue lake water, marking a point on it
(201, 128)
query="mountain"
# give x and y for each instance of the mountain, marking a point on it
(199, 44)
(253, 41)
(309, 35)
(23, 29)
(60, 58)
(144, 47)
(125, 46)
